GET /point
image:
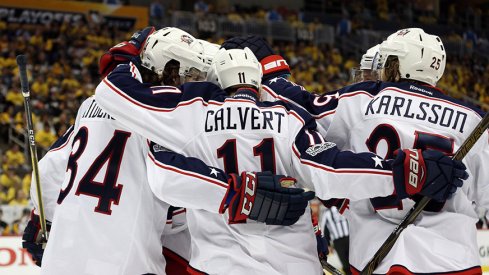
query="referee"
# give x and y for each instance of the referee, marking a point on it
(335, 228)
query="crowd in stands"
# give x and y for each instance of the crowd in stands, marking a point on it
(63, 71)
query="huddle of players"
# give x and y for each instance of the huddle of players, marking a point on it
(219, 124)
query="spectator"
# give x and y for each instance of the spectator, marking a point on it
(14, 157)
(9, 181)
(156, 11)
(344, 26)
(20, 198)
(4, 227)
(19, 224)
(470, 37)
(201, 7)
(45, 137)
(273, 15)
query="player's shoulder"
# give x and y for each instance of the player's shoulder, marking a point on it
(86, 103)
(429, 92)
(366, 87)
(202, 89)
(61, 141)
(288, 108)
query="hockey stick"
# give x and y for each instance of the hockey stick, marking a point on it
(416, 210)
(22, 62)
(328, 267)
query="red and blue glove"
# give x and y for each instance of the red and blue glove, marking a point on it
(124, 52)
(273, 65)
(31, 239)
(262, 197)
(429, 173)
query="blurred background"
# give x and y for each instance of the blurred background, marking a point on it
(321, 40)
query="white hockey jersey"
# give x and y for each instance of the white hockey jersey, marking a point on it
(240, 134)
(381, 117)
(106, 218)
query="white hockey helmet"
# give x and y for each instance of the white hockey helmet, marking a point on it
(210, 51)
(368, 66)
(237, 67)
(167, 44)
(422, 56)
(369, 59)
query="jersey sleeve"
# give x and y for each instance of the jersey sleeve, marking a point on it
(52, 169)
(321, 107)
(332, 173)
(185, 181)
(164, 114)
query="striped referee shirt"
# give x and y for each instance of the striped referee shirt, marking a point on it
(335, 222)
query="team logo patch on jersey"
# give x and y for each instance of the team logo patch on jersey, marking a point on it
(159, 148)
(318, 148)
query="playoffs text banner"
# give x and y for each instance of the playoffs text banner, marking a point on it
(51, 11)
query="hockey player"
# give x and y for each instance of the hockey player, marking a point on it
(108, 218)
(240, 133)
(367, 70)
(406, 111)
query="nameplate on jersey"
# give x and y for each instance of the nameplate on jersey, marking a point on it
(419, 110)
(246, 118)
(95, 111)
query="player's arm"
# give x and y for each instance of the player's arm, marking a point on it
(164, 114)
(190, 183)
(185, 181)
(317, 105)
(344, 174)
(52, 169)
(336, 174)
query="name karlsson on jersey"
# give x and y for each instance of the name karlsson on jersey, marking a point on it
(399, 106)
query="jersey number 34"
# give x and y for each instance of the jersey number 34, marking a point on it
(107, 191)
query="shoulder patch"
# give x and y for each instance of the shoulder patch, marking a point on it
(318, 148)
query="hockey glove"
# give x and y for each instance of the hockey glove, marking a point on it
(31, 240)
(429, 173)
(261, 197)
(273, 65)
(124, 52)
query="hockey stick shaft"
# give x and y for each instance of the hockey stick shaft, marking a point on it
(328, 267)
(22, 63)
(411, 216)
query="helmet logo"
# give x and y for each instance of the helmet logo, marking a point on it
(187, 39)
(403, 32)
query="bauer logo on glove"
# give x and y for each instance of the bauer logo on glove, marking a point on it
(416, 171)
